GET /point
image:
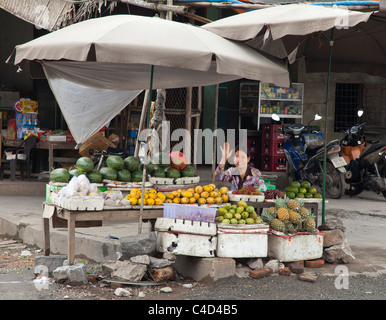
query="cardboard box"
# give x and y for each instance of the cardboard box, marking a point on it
(98, 142)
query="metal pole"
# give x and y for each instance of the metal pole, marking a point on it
(145, 157)
(325, 133)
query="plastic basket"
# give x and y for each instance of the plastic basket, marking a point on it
(189, 212)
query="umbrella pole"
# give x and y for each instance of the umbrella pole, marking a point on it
(145, 156)
(325, 130)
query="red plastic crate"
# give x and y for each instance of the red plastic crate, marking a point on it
(272, 147)
(273, 163)
(268, 132)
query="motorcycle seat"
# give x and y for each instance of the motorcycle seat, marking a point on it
(373, 148)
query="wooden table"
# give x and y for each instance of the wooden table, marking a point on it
(73, 219)
(47, 145)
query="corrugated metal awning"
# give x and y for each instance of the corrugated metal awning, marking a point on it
(46, 14)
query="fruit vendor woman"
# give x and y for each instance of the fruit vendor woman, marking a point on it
(242, 174)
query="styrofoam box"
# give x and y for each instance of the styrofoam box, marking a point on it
(171, 181)
(242, 241)
(296, 247)
(246, 198)
(79, 203)
(185, 237)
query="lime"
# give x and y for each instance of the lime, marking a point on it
(228, 215)
(240, 209)
(249, 221)
(245, 215)
(237, 216)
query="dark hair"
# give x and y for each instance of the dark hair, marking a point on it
(245, 150)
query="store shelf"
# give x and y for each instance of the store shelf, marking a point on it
(268, 99)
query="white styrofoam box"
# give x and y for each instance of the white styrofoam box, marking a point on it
(246, 198)
(295, 247)
(56, 138)
(187, 180)
(185, 237)
(242, 241)
(172, 181)
(79, 203)
(189, 212)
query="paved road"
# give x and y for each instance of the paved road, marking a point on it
(364, 218)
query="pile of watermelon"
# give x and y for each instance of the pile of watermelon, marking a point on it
(84, 165)
(130, 169)
(171, 166)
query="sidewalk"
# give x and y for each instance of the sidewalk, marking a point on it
(364, 217)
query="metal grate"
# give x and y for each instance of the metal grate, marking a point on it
(348, 99)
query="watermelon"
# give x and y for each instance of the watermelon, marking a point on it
(188, 171)
(136, 176)
(178, 160)
(60, 175)
(94, 176)
(108, 173)
(85, 164)
(161, 159)
(75, 172)
(131, 163)
(123, 175)
(150, 167)
(172, 173)
(115, 162)
(158, 172)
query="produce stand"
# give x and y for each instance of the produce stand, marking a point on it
(73, 218)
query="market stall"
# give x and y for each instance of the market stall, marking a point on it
(197, 219)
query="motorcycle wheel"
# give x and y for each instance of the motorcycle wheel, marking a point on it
(383, 175)
(336, 186)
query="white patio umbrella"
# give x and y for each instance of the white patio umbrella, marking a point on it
(133, 53)
(118, 53)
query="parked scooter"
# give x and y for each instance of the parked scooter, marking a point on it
(304, 150)
(366, 165)
(99, 157)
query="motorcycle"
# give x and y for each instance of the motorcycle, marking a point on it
(304, 151)
(366, 165)
(99, 156)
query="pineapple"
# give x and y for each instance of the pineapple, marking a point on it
(310, 224)
(282, 211)
(289, 227)
(268, 215)
(277, 225)
(293, 204)
(294, 217)
(299, 226)
(304, 213)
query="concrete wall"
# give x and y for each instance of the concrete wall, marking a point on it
(374, 100)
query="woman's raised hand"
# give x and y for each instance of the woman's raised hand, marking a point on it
(226, 153)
